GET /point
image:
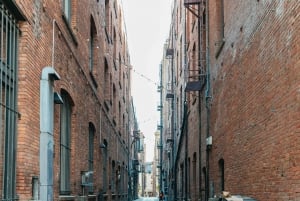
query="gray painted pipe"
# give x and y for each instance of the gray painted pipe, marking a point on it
(46, 132)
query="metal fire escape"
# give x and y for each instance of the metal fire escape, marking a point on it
(197, 77)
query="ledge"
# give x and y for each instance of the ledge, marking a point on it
(66, 197)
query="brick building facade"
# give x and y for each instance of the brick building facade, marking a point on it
(233, 76)
(255, 101)
(79, 50)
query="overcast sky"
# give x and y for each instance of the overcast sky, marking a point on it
(147, 24)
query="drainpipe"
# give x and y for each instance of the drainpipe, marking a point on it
(161, 134)
(199, 101)
(47, 98)
(207, 99)
(173, 181)
(187, 195)
(129, 198)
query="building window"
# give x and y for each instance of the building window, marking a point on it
(188, 190)
(91, 153)
(119, 118)
(222, 174)
(92, 45)
(120, 71)
(123, 125)
(114, 103)
(220, 23)
(104, 162)
(107, 19)
(113, 181)
(65, 144)
(67, 10)
(220, 16)
(205, 179)
(8, 102)
(181, 182)
(194, 170)
(115, 48)
(107, 82)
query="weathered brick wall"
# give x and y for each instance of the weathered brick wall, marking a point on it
(255, 99)
(71, 61)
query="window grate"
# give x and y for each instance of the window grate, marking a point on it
(8, 102)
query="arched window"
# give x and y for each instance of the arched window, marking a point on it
(91, 153)
(220, 23)
(113, 177)
(222, 174)
(92, 45)
(194, 170)
(65, 143)
(107, 81)
(104, 162)
(67, 10)
(115, 48)
(220, 18)
(107, 18)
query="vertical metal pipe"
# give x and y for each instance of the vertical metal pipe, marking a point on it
(53, 42)
(128, 155)
(2, 133)
(185, 122)
(14, 99)
(161, 134)
(199, 99)
(207, 97)
(9, 147)
(186, 151)
(173, 183)
(46, 132)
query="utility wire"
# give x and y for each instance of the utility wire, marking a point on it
(145, 77)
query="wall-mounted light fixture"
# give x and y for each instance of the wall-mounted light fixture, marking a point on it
(209, 142)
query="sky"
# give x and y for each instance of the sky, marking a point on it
(147, 26)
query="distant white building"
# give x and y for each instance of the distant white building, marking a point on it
(148, 175)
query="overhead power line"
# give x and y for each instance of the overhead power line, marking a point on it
(145, 77)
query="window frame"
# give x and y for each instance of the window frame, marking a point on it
(91, 154)
(9, 32)
(65, 145)
(67, 10)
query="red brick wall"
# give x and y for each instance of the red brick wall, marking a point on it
(72, 64)
(255, 99)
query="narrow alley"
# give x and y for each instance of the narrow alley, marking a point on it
(90, 112)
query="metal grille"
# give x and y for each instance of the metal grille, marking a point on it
(8, 102)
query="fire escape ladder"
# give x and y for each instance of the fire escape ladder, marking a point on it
(197, 77)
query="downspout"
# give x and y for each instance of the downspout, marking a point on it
(186, 151)
(49, 75)
(207, 97)
(185, 111)
(53, 42)
(173, 183)
(161, 134)
(199, 102)
(128, 158)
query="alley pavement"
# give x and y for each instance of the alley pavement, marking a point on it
(147, 199)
